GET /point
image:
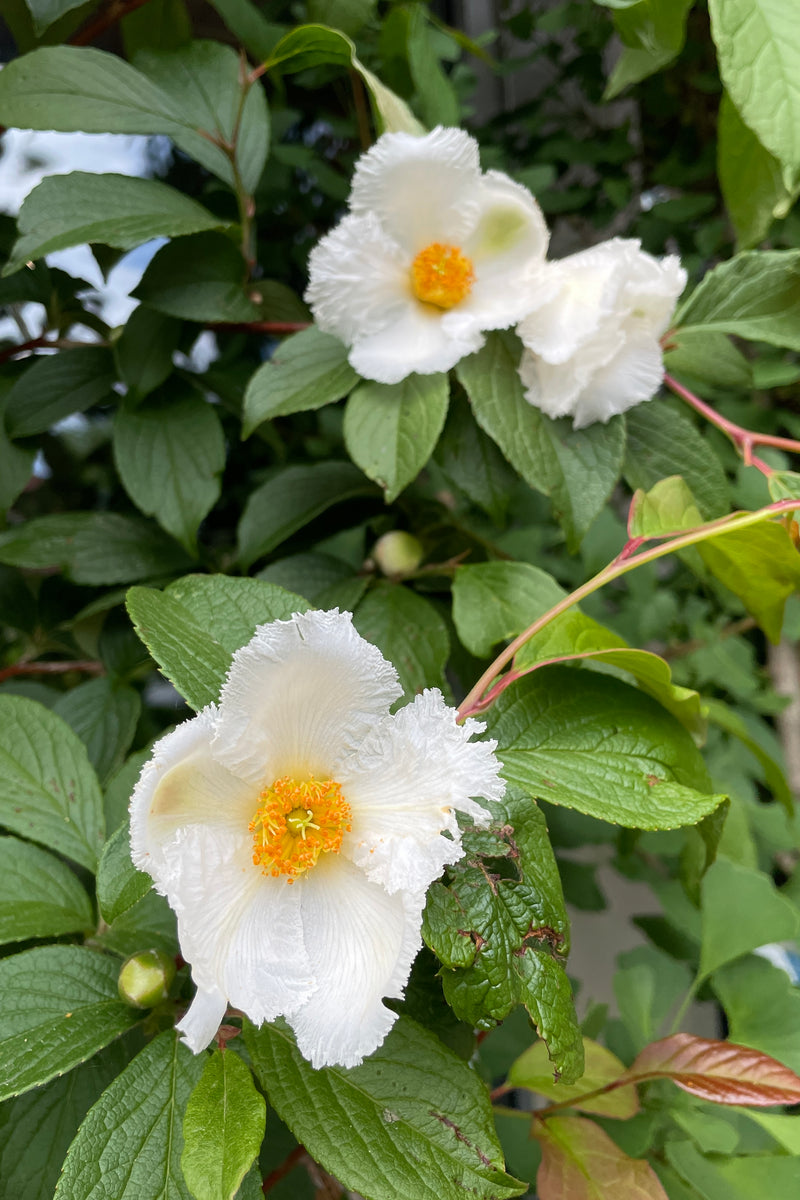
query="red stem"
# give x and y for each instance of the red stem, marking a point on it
(87, 666)
(743, 439)
(33, 344)
(280, 1172)
(277, 327)
(115, 11)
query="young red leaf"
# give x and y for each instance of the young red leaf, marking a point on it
(719, 1071)
(580, 1162)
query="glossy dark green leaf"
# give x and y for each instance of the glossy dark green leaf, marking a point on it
(119, 884)
(57, 385)
(104, 716)
(39, 895)
(307, 371)
(201, 278)
(408, 630)
(145, 349)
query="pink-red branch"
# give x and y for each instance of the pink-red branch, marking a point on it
(85, 666)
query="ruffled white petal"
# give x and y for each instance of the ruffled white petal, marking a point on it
(361, 943)
(183, 784)
(633, 376)
(359, 279)
(422, 189)
(202, 1019)
(405, 785)
(240, 929)
(419, 342)
(299, 697)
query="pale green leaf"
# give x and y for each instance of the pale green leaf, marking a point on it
(223, 1128)
(668, 507)
(741, 909)
(761, 565)
(533, 1070)
(753, 183)
(755, 295)
(653, 33)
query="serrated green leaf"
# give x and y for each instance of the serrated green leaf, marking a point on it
(39, 895)
(131, 1140)
(784, 485)
(472, 461)
(758, 47)
(291, 498)
(604, 748)
(497, 925)
(407, 629)
(744, 1177)
(145, 349)
(709, 357)
(115, 210)
(57, 385)
(533, 1070)
(668, 507)
(761, 565)
(223, 1128)
(93, 548)
(307, 371)
(170, 454)
(391, 430)
(663, 442)
(752, 181)
(576, 468)
(741, 909)
(755, 295)
(58, 1006)
(229, 608)
(104, 716)
(37, 1127)
(119, 884)
(204, 82)
(188, 656)
(201, 278)
(412, 1120)
(149, 924)
(48, 790)
(653, 33)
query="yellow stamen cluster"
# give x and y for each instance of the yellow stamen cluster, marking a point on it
(295, 823)
(441, 275)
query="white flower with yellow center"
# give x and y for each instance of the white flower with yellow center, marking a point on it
(295, 827)
(592, 338)
(432, 253)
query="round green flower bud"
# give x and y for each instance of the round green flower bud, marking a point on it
(398, 553)
(145, 978)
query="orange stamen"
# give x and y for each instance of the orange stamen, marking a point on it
(295, 823)
(441, 275)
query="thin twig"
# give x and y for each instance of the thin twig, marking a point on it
(281, 1171)
(84, 665)
(279, 328)
(115, 11)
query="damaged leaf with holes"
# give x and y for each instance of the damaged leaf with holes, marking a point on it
(500, 930)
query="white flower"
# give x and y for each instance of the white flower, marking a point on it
(592, 342)
(295, 827)
(432, 253)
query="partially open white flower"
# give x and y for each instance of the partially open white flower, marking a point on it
(592, 340)
(432, 253)
(295, 827)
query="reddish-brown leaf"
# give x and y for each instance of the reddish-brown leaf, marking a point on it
(580, 1162)
(719, 1071)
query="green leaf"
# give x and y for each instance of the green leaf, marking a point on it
(291, 498)
(92, 548)
(663, 442)
(57, 385)
(58, 1006)
(472, 461)
(223, 1128)
(104, 716)
(408, 631)
(731, 721)
(37, 1128)
(347, 15)
(166, 25)
(668, 507)
(119, 884)
(745, 1177)
(149, 923)
(16, 467)
(390, 430)
(229, 609)
(710, 358)
(498, 926)
(200, 278)
(145, 349)
(741, 909)
(760, 564)
(603, 748)
(307, 371)
(753, 184)
(580, 1162)
(48, 790)
(533, 1070)
(653, 33)
(131, 1140)
(576, 468)
(762, 1006)
(784, 485)
(115, 210)
(755, 295)
(45, 12)
(437, 97)
(647, 988)
(170, 454)
(412, 1120)
(39, 895)
(188, 656)
(249, 26)
(204, 82)
(758, 48)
